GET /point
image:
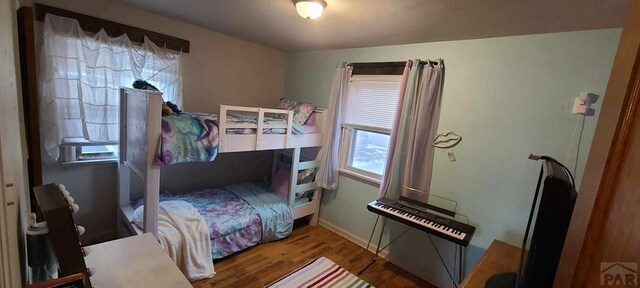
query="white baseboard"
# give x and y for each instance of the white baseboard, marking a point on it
(431, 278)
(353, 238)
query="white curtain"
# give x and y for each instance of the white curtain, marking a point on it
(410, 157)
(80, 76)
(407, 84)
(327, 176)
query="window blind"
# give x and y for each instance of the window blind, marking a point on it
(372, 102)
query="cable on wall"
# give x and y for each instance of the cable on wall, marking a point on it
(573, 136)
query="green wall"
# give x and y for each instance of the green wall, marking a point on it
(507, 97)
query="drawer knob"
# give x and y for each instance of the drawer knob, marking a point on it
(74, 208)
(80, 230)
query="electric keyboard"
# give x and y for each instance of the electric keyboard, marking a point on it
(449, 229)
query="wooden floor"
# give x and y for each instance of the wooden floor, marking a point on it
(267, 262)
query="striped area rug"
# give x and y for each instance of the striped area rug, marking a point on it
(321, 272)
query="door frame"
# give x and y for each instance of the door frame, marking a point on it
(610, 177)
(7, 264)
(13, 215)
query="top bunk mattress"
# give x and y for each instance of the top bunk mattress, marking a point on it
(194, 137)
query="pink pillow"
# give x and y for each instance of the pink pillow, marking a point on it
(311, 120)
(310, 129)
(281, 182)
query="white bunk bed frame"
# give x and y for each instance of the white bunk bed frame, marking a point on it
(140, 135)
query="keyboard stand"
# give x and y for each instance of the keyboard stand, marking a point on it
(460, 251)
(377, 247)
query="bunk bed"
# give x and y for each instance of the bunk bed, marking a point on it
(146, 145)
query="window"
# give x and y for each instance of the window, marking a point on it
(81, 75)
(369, 151)
(90, 152)
(370, 108)
(95, 152)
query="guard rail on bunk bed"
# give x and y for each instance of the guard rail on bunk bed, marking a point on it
(140, 138)
(260, 140)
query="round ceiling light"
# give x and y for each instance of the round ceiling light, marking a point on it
(310, 9)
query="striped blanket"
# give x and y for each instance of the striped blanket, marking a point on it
(320, 272)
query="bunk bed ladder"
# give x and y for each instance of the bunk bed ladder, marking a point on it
(295, 162)
(312, 207)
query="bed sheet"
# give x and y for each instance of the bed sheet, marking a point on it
(233, 224)
(274, 211)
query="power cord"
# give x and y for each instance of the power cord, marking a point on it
(573, 135)
(575, 165)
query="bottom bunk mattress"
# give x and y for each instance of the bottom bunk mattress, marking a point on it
(239, 216)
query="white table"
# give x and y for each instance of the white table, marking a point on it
(136, 261)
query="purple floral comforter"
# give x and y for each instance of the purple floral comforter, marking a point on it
(233, 224)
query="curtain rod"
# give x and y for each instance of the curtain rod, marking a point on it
(114, 29)
(386, 64)
(376, 64)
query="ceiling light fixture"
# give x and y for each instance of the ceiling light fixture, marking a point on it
(310, 9)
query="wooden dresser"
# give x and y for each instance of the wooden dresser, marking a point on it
(500, 257)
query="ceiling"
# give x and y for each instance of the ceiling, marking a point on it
(362, 23)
